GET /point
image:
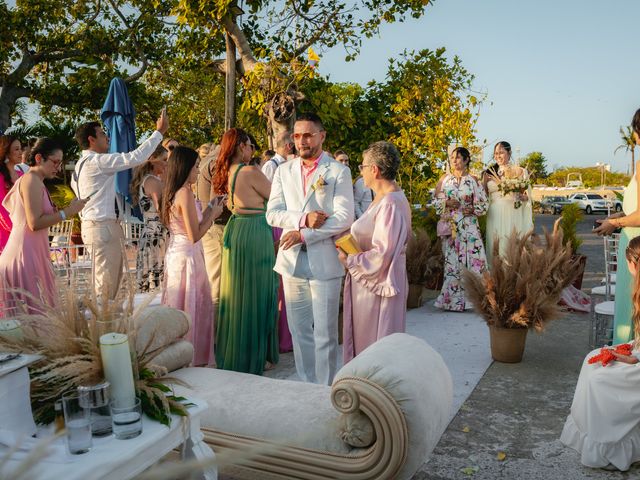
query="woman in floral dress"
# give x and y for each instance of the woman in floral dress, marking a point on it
(460, 200)
(146, 188)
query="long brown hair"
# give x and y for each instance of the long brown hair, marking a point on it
(5, 144)
(142, 171)
(231, 140)
(633, 256)
(181, 161)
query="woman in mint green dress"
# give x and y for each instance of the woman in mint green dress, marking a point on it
(629, 221)
(247, 337)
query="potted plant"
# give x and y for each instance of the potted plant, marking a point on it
(571, 215)
(424, 264)
(521, 290)
(426, 218)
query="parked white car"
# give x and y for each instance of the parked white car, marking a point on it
(589, 202)
(615, 205)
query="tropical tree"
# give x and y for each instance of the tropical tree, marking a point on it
(432, 106)
(629, 144)
(63, 53)
(273, 66)
(536, 164)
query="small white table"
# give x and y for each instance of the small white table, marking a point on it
(110, 458)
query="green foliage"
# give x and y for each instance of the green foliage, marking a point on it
(423, 106)
(61, 132)
(536, 164)
(431, 107)
(591, 177)
(571, 215)
(63, 53)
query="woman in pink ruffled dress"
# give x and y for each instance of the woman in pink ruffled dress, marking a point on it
(186, 285)
(376, 286)
(26, 273)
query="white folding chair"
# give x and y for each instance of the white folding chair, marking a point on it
(608, 289)
(132, 229)
(60, 233)
(601, 332)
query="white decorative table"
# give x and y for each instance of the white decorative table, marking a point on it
(110, 458)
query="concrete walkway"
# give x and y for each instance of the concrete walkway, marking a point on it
(519, 410)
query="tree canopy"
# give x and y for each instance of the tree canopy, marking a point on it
(63, 53)
(536, 164)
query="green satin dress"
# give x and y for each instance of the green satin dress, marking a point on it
(247, 316)
(622, 327)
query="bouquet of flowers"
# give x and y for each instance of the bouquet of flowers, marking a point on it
(512, 181)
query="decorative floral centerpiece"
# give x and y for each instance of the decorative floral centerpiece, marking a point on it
(511, 180)
(68, 338)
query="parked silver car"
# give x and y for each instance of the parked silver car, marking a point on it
(589, 202)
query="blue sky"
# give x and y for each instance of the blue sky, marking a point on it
(561, 76)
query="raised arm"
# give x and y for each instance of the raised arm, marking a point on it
(277, 213)
(342, 216)
(116, 162)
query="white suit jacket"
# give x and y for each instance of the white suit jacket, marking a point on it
(287, 204)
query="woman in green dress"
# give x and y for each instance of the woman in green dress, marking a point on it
(246, 327)
(629, 221)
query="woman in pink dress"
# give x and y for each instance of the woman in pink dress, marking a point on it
(376, 286)
(10, 156)
(186, 285)
(26, 273)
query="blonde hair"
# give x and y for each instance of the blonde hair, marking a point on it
(633, 256)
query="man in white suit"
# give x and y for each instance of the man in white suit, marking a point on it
(312, 201)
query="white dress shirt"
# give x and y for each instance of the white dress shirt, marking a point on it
(362, 197)
(270, 167)
(97, 177)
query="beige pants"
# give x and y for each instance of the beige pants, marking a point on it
(106, 242)
(212, 246)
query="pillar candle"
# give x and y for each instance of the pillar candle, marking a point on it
(116, 363)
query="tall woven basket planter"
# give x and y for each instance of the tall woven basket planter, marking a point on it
(507, 344)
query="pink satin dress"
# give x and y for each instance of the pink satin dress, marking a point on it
(25, 263)
(186, 287)
(376, 285)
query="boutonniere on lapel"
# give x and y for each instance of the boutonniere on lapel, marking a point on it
(319, 185)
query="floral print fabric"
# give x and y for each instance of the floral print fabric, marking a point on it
(463, 249)
(151, 249)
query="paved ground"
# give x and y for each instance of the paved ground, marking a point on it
(519, 410)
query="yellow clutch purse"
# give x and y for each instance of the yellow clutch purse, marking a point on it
(347, 244)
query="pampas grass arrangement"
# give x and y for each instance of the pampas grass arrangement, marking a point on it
(68, 336)
(523, 286)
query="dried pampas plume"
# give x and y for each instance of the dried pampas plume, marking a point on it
(523, 287)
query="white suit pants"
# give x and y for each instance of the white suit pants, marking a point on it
(312, 313)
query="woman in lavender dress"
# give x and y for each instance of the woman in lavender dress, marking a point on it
(376, 286)
(460, 200)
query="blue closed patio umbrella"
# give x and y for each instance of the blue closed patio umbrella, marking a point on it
(118, 116)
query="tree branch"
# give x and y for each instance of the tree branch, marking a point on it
(242, 45)
(315, 37)
(139, 50)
